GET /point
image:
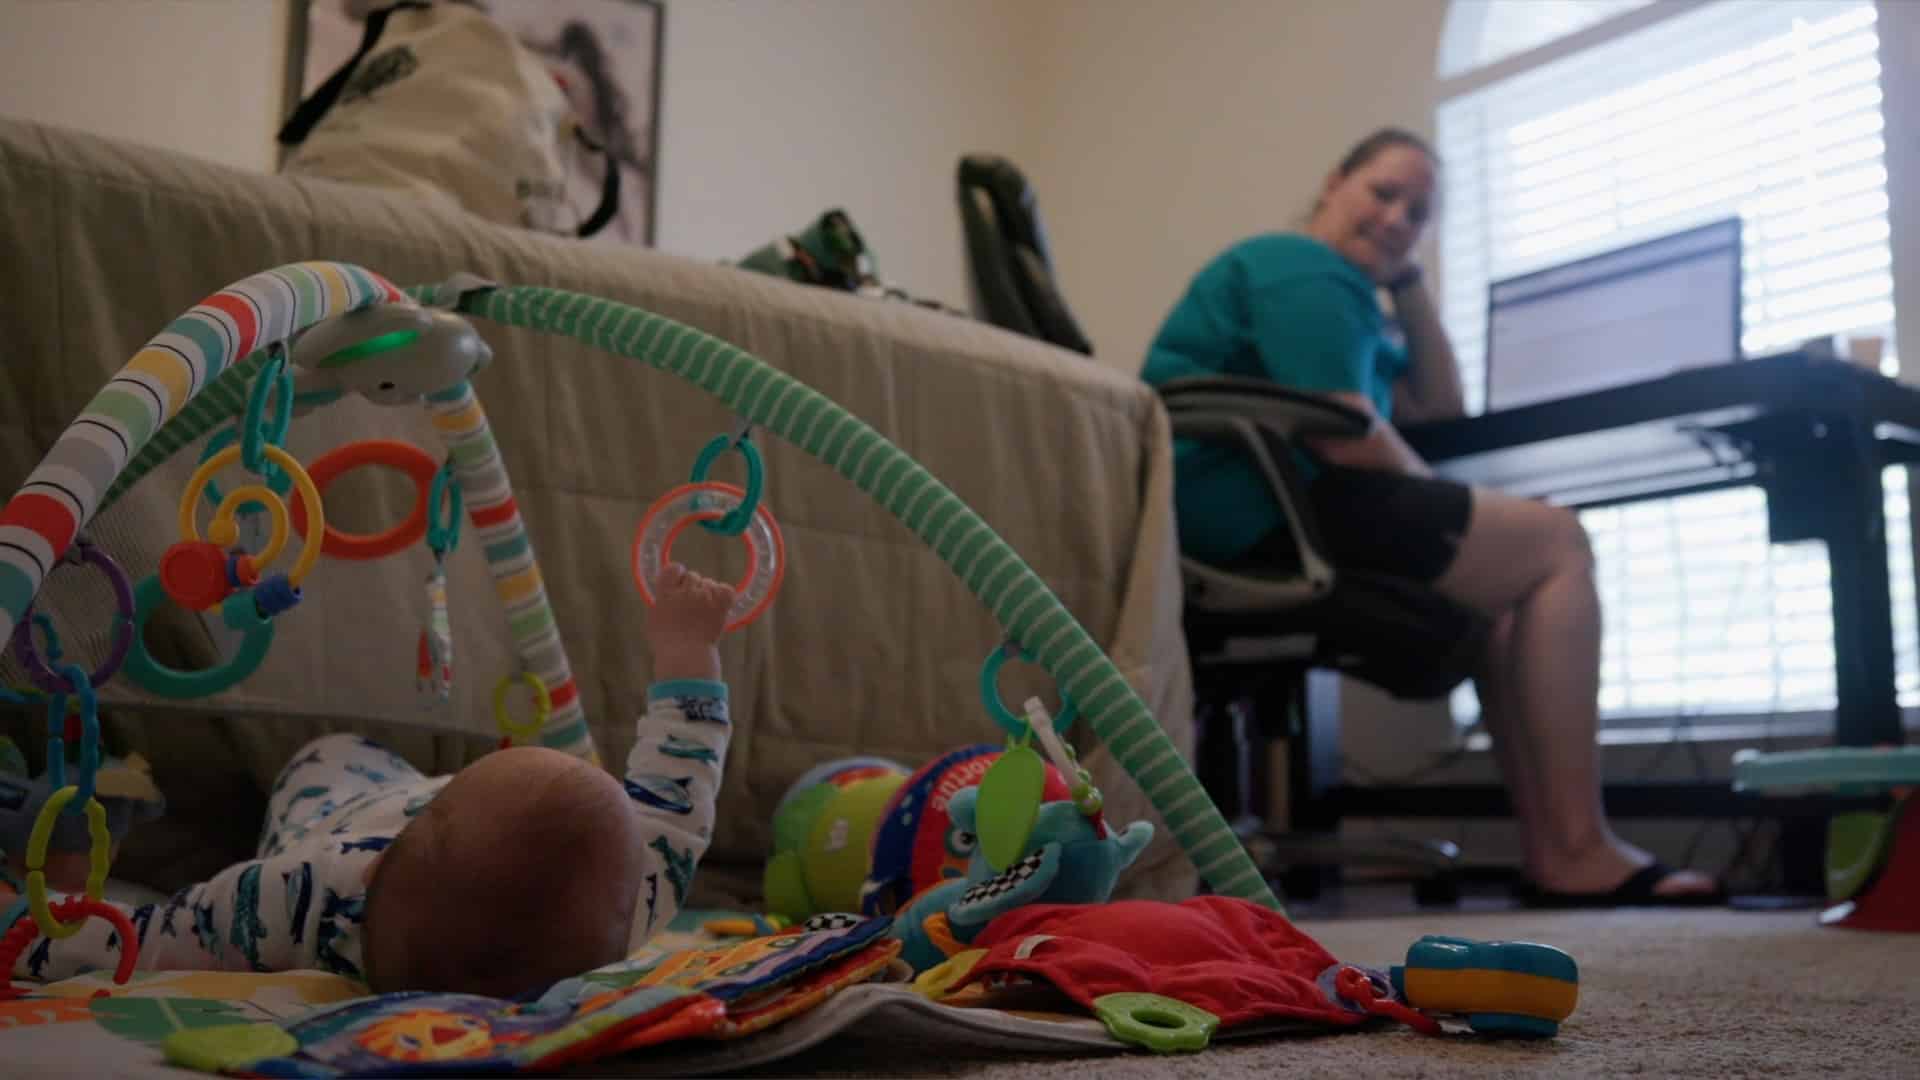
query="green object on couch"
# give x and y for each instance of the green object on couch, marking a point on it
(829, 252)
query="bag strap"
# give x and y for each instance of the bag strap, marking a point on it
(609, 188)
(307, 115)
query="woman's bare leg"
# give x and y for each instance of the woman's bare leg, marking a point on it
(1494, 685)
(1529, 564)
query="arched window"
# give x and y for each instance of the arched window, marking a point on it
(1569, 128)
(1483, 32)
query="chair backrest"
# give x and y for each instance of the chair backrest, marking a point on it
(1013, 280)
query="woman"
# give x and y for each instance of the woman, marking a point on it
(1303, 310)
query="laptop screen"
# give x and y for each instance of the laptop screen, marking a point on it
(1634, 313)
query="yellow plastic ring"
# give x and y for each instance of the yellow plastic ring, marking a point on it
(99, 855)
(224, 531)
(542, 706)
(309, 494)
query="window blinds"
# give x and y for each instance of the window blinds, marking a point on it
(1769, 111)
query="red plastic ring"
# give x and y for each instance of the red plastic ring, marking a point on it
(16, 939)
(403, 457)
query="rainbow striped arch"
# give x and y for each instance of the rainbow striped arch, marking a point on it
(72, 482)
(194, 376)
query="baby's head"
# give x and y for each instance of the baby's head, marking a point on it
(524, 870)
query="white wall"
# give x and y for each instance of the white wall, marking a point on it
(1175, 129)
(202, 76)
(774, 111)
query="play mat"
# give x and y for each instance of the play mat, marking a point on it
(967, 900)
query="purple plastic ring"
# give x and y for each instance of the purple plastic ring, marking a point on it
(28, 653)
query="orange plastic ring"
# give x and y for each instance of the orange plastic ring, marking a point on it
(753, 549)
(403, 457)
(674, 526)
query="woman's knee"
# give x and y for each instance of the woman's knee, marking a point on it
(1566, 538)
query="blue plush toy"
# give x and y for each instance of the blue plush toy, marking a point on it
(1070, 857)
(125, 789)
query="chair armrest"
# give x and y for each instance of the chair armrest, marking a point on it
(1290, 414)
(1264, 427)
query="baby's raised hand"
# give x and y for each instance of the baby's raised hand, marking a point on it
(688, 616)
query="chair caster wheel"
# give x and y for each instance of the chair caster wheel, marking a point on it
(1438, 890)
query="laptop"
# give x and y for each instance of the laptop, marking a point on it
(1622, 316)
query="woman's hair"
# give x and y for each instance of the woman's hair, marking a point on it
(1369, 148)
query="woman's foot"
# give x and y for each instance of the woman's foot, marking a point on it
(1615, 872)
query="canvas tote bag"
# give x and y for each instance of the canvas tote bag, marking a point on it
(442, 102)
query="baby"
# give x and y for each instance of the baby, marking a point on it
(526, 867)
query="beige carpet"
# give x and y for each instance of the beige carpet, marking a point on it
(1699, 994)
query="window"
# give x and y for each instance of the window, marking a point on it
(1482, 32)
(1769, 111)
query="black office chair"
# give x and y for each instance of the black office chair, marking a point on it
(1013, 283)
(1266, 642)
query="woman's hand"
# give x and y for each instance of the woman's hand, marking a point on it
(1431, 388)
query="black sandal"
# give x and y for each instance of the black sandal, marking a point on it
(1636, 891)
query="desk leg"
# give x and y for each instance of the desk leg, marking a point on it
(1828, 489)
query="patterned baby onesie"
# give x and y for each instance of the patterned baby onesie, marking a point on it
(341, 801)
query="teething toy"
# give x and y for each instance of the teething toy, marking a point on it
(711, 502)
(1500, 987)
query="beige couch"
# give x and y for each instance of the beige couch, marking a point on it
(873, 647)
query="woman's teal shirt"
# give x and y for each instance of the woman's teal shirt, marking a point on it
(1283, 307)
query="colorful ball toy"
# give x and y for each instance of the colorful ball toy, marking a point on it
(823, 833)
(917, 845)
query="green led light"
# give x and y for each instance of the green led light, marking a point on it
(373, 346)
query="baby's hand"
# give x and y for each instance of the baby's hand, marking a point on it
(689, 614)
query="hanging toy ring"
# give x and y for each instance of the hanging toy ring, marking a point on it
(542, 706)
(38, 671)
(280, 481)
(385, 453)
(257, 432)
(1013, 725)
(89, 734)
(222, 530)
(18, 935)
(738, 519)
(98, 856)
(445, 504)
(709, 500)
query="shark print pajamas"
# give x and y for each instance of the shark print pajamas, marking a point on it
(300, 903)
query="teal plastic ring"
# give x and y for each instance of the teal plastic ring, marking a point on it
(255, 435)
(445, 504)
(1016, 726)
(56, 744)
(278, 481)
(158, 678)
(735, 521)
(89, 736)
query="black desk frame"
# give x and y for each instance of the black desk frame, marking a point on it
(1815, 435)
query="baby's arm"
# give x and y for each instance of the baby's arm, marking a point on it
(673, 772)
(259, 915)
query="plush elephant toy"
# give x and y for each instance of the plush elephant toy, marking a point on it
(1069, 858)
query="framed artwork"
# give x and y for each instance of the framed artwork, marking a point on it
(606, 55)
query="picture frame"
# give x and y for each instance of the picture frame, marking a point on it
(609, 56)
